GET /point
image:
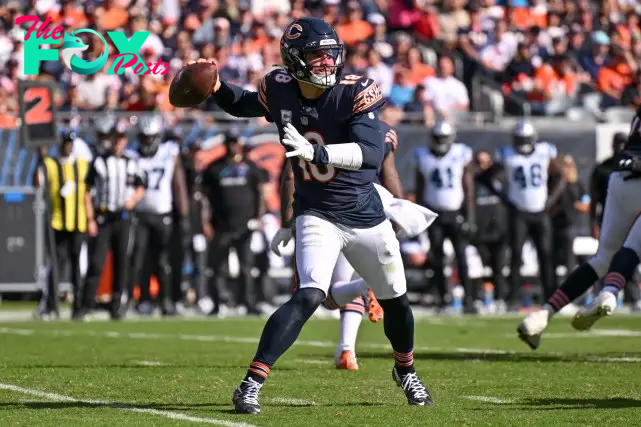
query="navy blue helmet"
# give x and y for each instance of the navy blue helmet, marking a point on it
(312, 52)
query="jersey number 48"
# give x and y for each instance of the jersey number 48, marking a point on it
(525, 178)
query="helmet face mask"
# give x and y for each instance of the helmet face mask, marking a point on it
(312, 53)
(441, 138)
(150, 135)
(524, 137)
(149, 144)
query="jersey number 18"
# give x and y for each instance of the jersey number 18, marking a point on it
(312, 172)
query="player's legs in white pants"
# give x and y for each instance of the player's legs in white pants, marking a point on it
(622, 268)
(375, 254)
(622, 207)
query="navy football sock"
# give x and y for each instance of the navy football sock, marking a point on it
(621, 270)
(575, 285)
(399, 329)
(282, 329)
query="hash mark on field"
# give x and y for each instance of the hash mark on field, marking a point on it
(289, 401)
(488, 399)
(166, 414)
(149, 363)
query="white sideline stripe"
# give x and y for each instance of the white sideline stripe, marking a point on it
(149, 363)
(227, 339)
(166, 414)
(488, 399)
(290, 401)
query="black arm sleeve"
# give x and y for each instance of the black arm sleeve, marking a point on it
(238, 101)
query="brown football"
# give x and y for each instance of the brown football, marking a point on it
(193, 84)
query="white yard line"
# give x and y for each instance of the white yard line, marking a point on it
(227, 339)
(488, 399)
(290, 401)
(313, 362)
(595, 333)
(323, 344)
(149, 363)
(131, 408)
(622, 359)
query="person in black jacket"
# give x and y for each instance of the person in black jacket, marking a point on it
(490, 239)
(235, 188)
(566, 213)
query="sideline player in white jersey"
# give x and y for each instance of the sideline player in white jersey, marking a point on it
(617, 255)
(528, 163)
(165, 185)
(445, 185)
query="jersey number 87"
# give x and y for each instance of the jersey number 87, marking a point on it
(312, 172)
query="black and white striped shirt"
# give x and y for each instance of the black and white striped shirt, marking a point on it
(113, 180)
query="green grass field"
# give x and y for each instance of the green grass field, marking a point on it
(180, 372)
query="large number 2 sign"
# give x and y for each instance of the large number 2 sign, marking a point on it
(40, 112)
(315, 172)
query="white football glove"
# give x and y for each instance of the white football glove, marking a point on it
(302, 147)
(284, 235)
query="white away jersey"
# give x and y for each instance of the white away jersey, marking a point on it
(527, 175)
(444, 176)
(158, 171)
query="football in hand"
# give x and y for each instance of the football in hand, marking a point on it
(193, 84)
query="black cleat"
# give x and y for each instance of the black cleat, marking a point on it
(245, 397)
(416, 393)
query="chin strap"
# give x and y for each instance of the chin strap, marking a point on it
(346, 156)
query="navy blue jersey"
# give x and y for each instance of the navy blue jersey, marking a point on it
(344, 113)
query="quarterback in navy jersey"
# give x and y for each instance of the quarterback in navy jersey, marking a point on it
(330, 126)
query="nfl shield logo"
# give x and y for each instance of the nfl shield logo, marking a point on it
(285, 116)
(304, 121)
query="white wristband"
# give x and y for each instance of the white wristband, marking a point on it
(346, 156)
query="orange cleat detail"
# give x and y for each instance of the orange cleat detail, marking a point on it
(347, 361)
(374, 308)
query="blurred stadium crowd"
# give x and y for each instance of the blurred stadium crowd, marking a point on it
(423, 54)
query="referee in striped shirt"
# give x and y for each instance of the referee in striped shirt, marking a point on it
(117, 184)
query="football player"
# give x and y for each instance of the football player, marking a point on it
(352, 313)
(330, 126)
(164, 183)
(619, 248)
(527, 164)
(445, 184)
